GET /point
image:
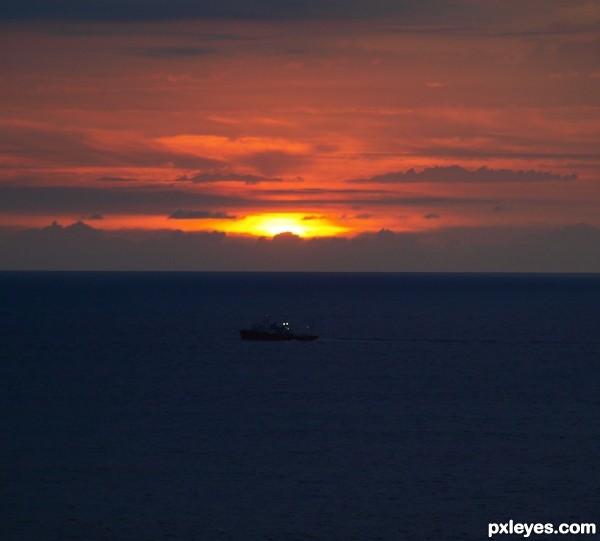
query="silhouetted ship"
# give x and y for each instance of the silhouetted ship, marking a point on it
(268, 330)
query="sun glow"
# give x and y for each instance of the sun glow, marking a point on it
(269, 225)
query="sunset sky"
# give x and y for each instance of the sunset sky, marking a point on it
(445, 122)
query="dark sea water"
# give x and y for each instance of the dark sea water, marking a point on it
(430, 406)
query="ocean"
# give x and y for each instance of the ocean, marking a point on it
(431, 406)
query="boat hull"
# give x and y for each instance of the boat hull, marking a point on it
(251, 334)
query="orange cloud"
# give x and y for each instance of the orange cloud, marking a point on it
(220, 147)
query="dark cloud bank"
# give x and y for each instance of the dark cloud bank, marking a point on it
(184, 214)
(455, 173)
(421, 12)
(153, 10)
(574, 248)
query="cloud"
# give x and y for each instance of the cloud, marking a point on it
(326, 198)
(276, 162)
(183, 214)
(270, 157)
(573, 248)
(40, 145)
(286, 237)
(110, 200)
(314, 217)
(455, 173)
(170, 52)
(210, 177)
(151, 10)
(140, 199)
(448, 15)
(432, 216)
(116, 179)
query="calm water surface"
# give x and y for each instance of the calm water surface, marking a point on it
(430, 406)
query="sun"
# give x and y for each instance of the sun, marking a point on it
(276, 224)
(272, 224)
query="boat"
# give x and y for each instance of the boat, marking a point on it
(272, 331)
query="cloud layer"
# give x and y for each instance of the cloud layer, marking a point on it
(183, 214)
(468, 12)
(81, 247)
(457, 174)
(110, 10)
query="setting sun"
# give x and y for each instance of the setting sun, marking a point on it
(276, 224)
(269, 225)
